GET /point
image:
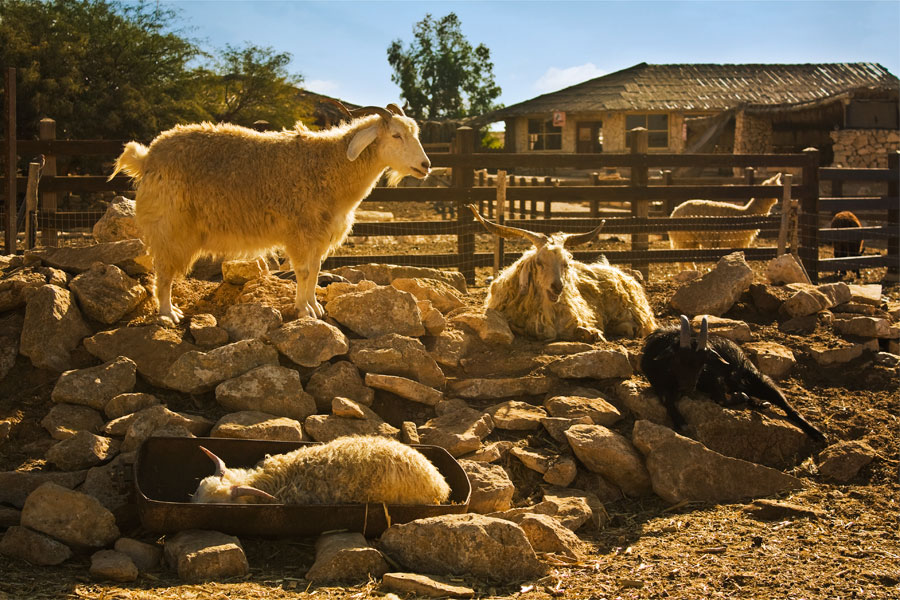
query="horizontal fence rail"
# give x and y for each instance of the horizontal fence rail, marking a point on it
(635, 206)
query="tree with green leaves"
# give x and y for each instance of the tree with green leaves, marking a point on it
(113, 69)
(440, 75)
(251, 83)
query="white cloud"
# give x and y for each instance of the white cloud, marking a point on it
(322, 86)
(556, 79)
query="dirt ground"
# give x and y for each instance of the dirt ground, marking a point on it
(648, 550)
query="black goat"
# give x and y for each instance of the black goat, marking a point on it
(677, 363)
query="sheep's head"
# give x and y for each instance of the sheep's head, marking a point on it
(397, 139)
(546, 266)
(228, 486)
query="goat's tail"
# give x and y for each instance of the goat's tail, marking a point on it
(131, 161)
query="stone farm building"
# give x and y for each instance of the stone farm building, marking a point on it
(849, 111)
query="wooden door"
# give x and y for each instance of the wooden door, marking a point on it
(587, 137)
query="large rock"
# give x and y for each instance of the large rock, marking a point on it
(250, 320)
(746, 434)
(684, 470)
(423, 586)
(345, 558)
(342, 379)
(147, 422)
(383, 274)
(107, 484)
(205, 555)
(492, 489)
(516, 415)
(16, 287)
(125, 404)
(596, 408)
(309, 342)
(271, 389)
(490, 326)
(611, 455)
(65, 420)
(771, 359)
(240, 271)
(716, 291)
(16, 486)
(377, 312)
(117, 223)
(129, 255)
(468, 544)
(33, 547)
(113, 566)
(95, 386)
(602, 363)
(71, 517)
(459, 432)
(736, 331)
(546, 534)
(196, 372)
(10, 334)
(842, 461)
(53, 327)
(106, 293)
(81, 451)
(251, 425)
(405, 388)
(152, 348)
(397, 355)
(785, 269)
(500, 387)
(441, 294)
(324, 428)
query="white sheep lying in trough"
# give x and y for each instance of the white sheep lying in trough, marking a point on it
(548, 295)
(229, 190)
(712, 208)
(352, 469)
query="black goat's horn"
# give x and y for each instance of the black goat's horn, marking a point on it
(704, 334)
(685, 340)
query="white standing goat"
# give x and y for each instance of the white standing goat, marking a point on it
(229, 190)
(548, 295)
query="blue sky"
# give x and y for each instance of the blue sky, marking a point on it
(340, 47)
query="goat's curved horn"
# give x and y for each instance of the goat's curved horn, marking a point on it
(396, 110)
(538, 239)
(372, 110)
(220, 464)
(685, 339)
(704, 334)
(576, 239)
(244, 490)
(340, 106)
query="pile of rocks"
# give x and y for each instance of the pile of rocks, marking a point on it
(547, 433)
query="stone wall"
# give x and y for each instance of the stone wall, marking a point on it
(864, 148)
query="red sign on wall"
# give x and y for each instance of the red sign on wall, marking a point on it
(559, 118)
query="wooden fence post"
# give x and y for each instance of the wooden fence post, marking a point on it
(785, 213)
(498, 240)
(809, 216)
(893, 218)
(31, 204)
(640, 206)
(11, 157)
(49, 235)
(463, 180)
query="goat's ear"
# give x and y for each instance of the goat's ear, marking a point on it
(524, 278)
(359, 142)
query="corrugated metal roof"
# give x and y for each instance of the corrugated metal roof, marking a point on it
(689, 87)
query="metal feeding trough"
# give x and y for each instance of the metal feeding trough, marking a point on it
(168, 469)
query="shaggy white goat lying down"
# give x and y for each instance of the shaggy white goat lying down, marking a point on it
(548, 295)
(232, 191)
(352, 469)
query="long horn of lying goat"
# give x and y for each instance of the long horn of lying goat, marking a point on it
(538, 239)
(576, 239)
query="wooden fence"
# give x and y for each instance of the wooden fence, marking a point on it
(642, 197)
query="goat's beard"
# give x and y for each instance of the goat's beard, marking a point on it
(394, 177)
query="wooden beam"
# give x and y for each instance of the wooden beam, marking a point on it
(9, 224)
